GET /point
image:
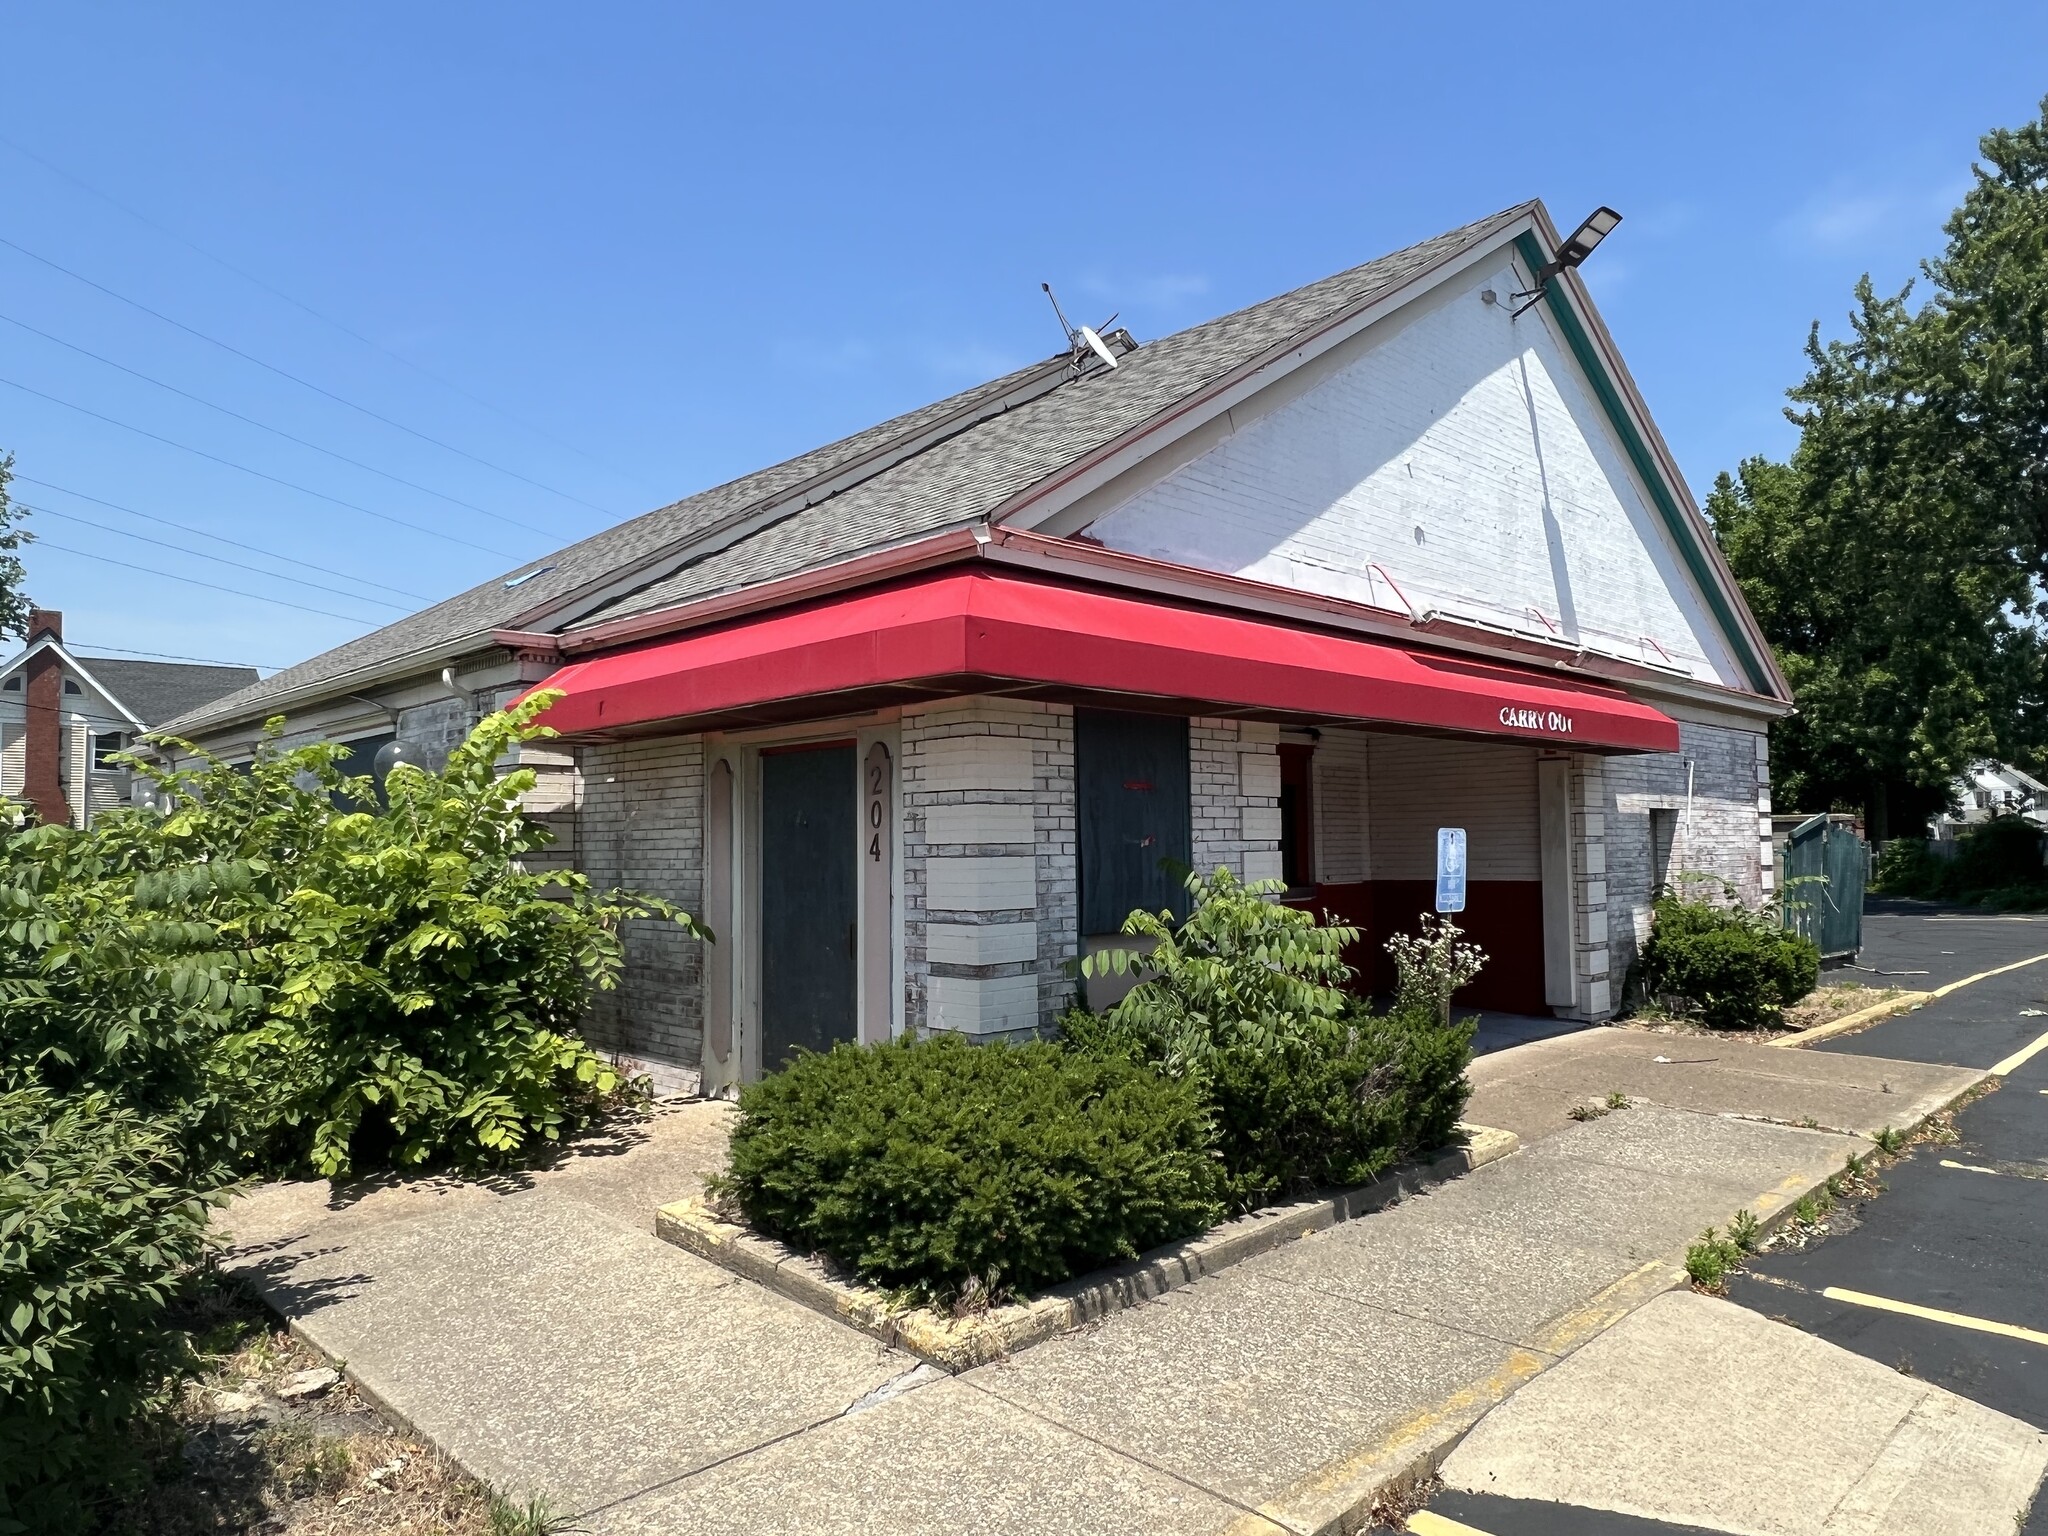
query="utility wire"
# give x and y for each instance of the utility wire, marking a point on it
(184, 549)
(254, 549)
(300, 304)
(248, 357)
(289, 485)
(214, 586)
(86, 652)
(411, 485)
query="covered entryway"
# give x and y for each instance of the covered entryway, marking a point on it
(810, 927)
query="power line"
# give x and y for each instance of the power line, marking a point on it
(247, 357)
(86, 653)
(254, 549)
(194, 581)
(186, 549)
(411, 485)
(304, 490)
(302, 305)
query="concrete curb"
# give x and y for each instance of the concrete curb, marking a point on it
(959, 1344)
(1854, 1021)
(1334, 1500)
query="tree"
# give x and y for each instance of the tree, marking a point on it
(1896, 561)
(14, 603)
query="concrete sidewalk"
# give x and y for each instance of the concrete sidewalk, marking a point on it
(541, 1335)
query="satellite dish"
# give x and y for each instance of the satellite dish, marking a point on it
(1081, 339)
(1087, 334)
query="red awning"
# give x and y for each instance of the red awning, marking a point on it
(961, 631)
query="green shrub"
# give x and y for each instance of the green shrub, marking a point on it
(307, 988)
(1708, 1261)
(1906, 868)
(1336, 1105)
(1995, 864)
(1736, 966)
(1306, 1089)
(99, 1225)
(938, 1167)
(1239, 969)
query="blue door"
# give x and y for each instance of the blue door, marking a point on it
(1135, 826)
(809, 913)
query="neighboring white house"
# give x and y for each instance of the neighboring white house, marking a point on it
(1989, 789)
(64, 719)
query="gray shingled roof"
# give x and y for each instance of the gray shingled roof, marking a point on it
(953, 482)
(161, 690)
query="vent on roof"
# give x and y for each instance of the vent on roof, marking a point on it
(525, 576)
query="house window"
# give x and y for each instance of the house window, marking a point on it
(104, 746)
(72, 687)
(13, 684)
(1297, 818)
(1663, 834)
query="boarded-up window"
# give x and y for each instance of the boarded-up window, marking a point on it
(1135, 832)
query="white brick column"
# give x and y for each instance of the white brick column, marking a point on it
(1593, 989)
(1766, 862)
(1234, 790)
(988, 866)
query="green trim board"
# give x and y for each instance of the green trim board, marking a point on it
(1681, 529)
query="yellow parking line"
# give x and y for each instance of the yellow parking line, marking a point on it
(2020, 1058)
(1423, 1523)
(1987, 975)
(1935, 1315)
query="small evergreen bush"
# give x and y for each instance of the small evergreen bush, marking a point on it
(942, 1168)
(99, 1226)
(1335, 1105)
(1738, 967)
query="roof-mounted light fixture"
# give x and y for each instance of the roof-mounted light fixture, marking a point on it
(1578, 245)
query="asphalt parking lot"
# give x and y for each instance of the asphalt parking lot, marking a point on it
(1940, 1275)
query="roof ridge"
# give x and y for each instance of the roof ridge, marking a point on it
(939, 465)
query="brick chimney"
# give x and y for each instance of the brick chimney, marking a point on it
(42, 782)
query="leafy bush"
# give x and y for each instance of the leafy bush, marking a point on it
(1737, 966)
(1306, 1088)
(300, 986)
(1239, 969)
(1995, 864)
(99, 1224)
(941, 1167)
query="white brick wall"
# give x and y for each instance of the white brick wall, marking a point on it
(988, 865)
(641, 826)
(1234, 790)
(1464, 455)
(1726, 833)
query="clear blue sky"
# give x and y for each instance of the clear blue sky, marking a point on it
(671, 244)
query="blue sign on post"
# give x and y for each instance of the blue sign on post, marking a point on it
(1450, 869)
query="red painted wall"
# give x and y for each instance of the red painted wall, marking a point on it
(1503, 917)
